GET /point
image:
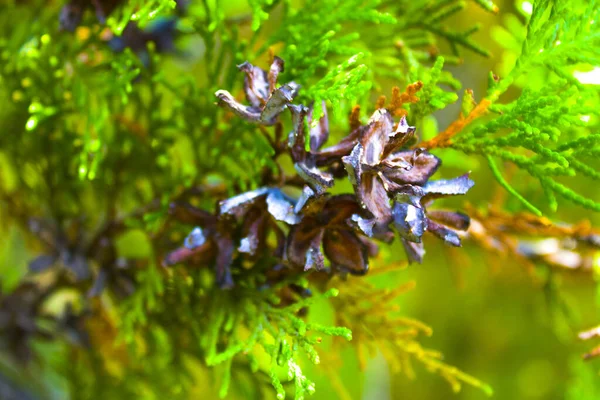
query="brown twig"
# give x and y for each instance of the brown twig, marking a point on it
(399, 99)
(444, 139)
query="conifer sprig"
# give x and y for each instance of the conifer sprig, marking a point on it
(540, 131)
(361, 308)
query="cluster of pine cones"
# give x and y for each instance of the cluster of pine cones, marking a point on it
(392, 193)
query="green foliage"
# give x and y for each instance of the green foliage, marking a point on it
(114, 138)
(260, 12)
(432, 97)
(314, 34)
(430, 20)
(586, 383)
(344, 82)
(139, 11)
(498, 175)
(229, 327)
(545, 130)
(367, 309)
(422, 28)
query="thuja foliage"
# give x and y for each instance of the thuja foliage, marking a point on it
(197, 181)
(547, 122)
